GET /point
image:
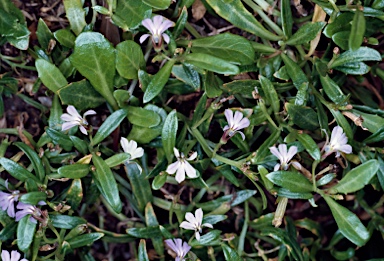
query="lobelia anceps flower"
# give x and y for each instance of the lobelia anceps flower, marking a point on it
(236, 122)
(14, 256)
(194, 222)
(73, 119)
(131, 148)
(156, 26)
(7, 200)
(27, 209)
(182, 166)
(179, 247)
(284, 155)
(338, 143)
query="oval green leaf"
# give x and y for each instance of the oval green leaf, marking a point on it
(25, 233)
(306, 33)
(106, 183)
(109, 125)
(74, 171)
(291, 180)
(17, 171)
(356, 36)
(354, 56)
(168, 134)
(211, 63)
(129, 59)
(142, 117)
(34, 158)
(50, 75)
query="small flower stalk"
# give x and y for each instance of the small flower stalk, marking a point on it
(285, 156)
(182, 167)
(157, 26)
(13, 256)
(72, 118)
(338, 143)
(194, 222)
(7, 200)
(131, 148)
(180, 248)
(236, 122)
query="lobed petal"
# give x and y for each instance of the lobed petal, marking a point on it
(190, 218)
(171, 169)
(144, 37)
(15, 256)
(229, 116)
(5, 256)
(147, 23)
(291, 152)
(187, 225)
(68, 125)
(237, 118)
(166, 37)
(191, 171)
(89, 112)
(176, 152)
(180, 174)
(244, 123)
(193, 156)
(199, 215)
(83, 130)
(72, 111)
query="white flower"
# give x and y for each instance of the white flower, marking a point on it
(338, 143)
(283, 155)
(7, 200)
(131, 148)
(73, 119)
(194, 222)
(181, 249)
(235, 123)
(14, 256)
(182, 166)
(157, 26)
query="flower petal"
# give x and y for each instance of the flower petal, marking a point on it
(229, 116)
(166, 37)
(68, 125)
(72, 111)
(144, 37)
(199, 215)
(197, 236)
(176, 152)
(171, 169)
(83, 130)
(193, 156)
(5, 256)
(89, 112)
(187, 225)
(207, 225)
(147, 23)
(180, 174)
(15, 255)
(190, 217)
(191, 171)
(124, 144)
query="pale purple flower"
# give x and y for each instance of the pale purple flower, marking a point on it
(179, 247)
(27, 209)
(131, 148)
(7, 200)
(194, 222)
(236, 122)
(14, 256)
(73, 119)
(156, 26)
(182, 166)
(338, 143)
(284, 155)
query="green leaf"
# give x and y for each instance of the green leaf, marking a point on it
(25, 233)
(229, 47)
(75, 194)
(106, 183)
(17, 171)
(356, 178)
(341, 39)
(354, 56)
(158, 82)
(159, 181)
(211, 85)
(109, 125)
(44, 35)
(209, 239)
(129, 59)
(187, 74)
(211, 63)
(340, 24)
(117, 159)
(79, 144)
(372, 122)
(294, 181)
(294, 71)
(140, 185)
(356, 36)
(235, 13)
(376, 137)
(332, 90)
(286, 17)
(65, 37)
(84, 240)
(142, 255)
(168, 134)
(132, 12)
(270, 93)
(50, 75)
(348, 223)
(80, 94)
(310, 145)
(144, 232)
(230, 254)
(12, 26)
(66, 222)
(34, 158)
(94, 58)
(33, 198)
(343, 123)
(75, 14)
(306, 33)
(160, 5)
(74, 171)
(304, 117)
(286, 193)
(358, 68)
(9, 7)
(60, 138)
(142, 117)
(226, 171)
(151, 220)
(180, 24)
